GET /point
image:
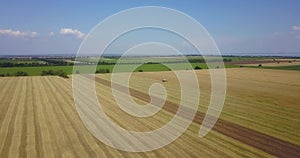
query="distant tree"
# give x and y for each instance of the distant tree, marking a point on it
(227, 59)
(61, 73)
(21, 73)
(55, 62)
(51, 72)
(48, 73)
(140, 70)
(101, 71)
(196, 60)
(44, 73)
(151, 62)
(198, 67)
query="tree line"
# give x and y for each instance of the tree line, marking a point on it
(56, 62)
(47, 62)
(18, 73)
(60, 73)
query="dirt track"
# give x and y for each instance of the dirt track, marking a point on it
(266, 143)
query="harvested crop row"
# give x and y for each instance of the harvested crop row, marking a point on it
(38, 119)
(262, 141)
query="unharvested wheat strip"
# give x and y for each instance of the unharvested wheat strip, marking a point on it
(16, 135)
(67, 111)
(41, 123)
(8, 122)
(89, 141)
(31, 150)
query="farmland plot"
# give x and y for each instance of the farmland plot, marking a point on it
(38, 117)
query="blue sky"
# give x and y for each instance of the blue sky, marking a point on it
(53, 27)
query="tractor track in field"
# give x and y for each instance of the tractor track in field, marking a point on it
(266, 143)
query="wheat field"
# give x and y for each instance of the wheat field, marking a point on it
(260, 118)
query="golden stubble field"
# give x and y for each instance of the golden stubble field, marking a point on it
(260, 118)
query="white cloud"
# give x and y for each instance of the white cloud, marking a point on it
(70, 31)
(51, 34)
(18, 33)
(296, 28)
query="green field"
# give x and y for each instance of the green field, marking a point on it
(152, 64)
(293, 67)
(37, 71)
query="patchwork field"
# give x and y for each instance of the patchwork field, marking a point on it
(260, 118)
(270, 62)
